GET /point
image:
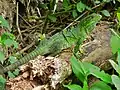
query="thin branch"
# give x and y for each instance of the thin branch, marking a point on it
(26, 48)
(82, 16)
(17, 23)
(45, 24)
(24, 20)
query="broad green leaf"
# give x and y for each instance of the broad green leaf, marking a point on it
(9, 35)
(116, 81)
(10, 74)
(107, 0)
(95, 71)
(12, 59)
(16, 72)
(52, 18)
(66, 5)
(74, 13)
(41, 36)
(118, 0)
(68, 8)
(73, 87)
(88, 8)
(118, 16)
(102, 75)
(3, 38)
(15, 44)
(0, 39)
(77, 69)
(2, 57)
(4, 23)
(8, 42)
(85, 85)
(2, 83)
(81, 7)
(115, 43)
(118, 57)
(115, 66)
(90, 66)
(100, 85)
(105, 12)
(44, 5)
(6, 36)
(97, 2)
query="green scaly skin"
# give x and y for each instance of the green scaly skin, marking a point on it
(59, 41)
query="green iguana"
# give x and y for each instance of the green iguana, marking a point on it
(59, 41)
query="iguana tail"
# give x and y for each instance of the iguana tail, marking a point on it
(86, 25)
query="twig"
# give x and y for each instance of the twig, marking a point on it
(24, 20)
(75, 20)
(26, 48)
(55, 6)
(38, 11)
(82, 16)
(115, 33)
(45, 23)
(17, 23)
(28, 3)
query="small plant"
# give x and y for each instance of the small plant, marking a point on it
(116, 78)
(2, 83)
(7, 40)
(82, 70)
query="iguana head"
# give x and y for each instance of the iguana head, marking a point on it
(88, 23)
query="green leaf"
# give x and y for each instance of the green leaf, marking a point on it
(66, 5)
(74, 13)
(73, 87)
(105, 12)
(44, 5)
(15, 44)
(107, 0)
(4, 23)
(118, 16)
(102, 75)
(81, 7)
(12, 59)
(8, 42)
(11, 75)
(0, 39)
(85, 85)
(99, 85)
(118, 0)
(90, 66)
(115, 43)
(52, 18)
(95, 71)
(2, 83)
(7, 35)
(115, 66)
(8, 39)
(78, 69)
(2, 57)
(10, 35)
(88, 8)
(97, 2)
(116, 81)
(3, 38)
(118, 57)
(16, 72)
